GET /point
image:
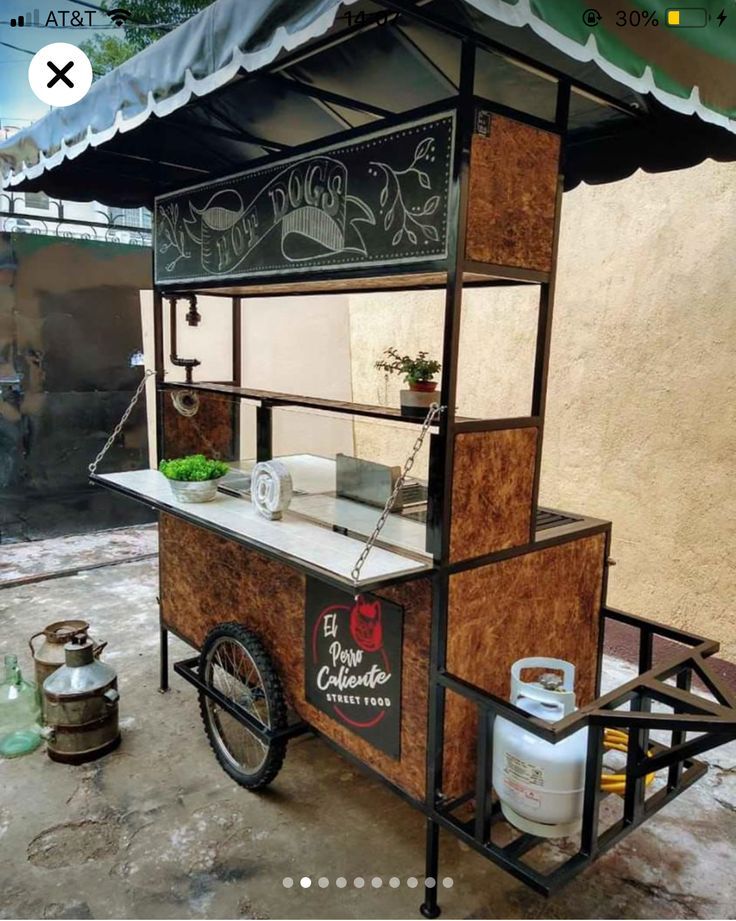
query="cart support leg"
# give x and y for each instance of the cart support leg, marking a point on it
(163, 686)
(429, 907)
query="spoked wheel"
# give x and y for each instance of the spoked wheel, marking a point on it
(234, 662)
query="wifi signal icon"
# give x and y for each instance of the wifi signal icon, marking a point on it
(119, 17)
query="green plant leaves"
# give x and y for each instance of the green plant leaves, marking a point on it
(194, 468)
(421, 368)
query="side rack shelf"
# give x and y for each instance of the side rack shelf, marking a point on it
(189, 670)
(268, 398)
(475, 815)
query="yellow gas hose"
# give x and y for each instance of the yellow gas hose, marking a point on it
(615, 739)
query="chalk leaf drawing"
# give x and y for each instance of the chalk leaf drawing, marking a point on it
(172, 237)
(222, 212)
(399, 186)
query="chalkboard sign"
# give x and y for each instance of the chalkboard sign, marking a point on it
(379, 200)
(352, 662)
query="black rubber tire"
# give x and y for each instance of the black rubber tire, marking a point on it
(276, 705)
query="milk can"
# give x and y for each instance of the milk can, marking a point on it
(48, 655)
(81, 706)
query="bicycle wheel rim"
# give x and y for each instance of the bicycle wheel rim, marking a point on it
(231, 669)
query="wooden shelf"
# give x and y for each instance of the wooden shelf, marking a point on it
(475, 275)
(269, 398)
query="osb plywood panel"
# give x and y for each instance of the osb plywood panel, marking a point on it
(544, 603)
(206, 580)
(492, 485)
(513, 189)
(211, 431)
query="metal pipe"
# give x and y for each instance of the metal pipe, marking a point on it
(193, 319)
(483, 774)
(163, 684)
(429, 907)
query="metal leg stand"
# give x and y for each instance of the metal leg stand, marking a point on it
(164, 660)
(429, 907)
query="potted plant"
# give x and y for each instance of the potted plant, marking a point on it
(193, 478)
(417, 373)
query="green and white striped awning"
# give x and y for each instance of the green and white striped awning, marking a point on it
(690, 67)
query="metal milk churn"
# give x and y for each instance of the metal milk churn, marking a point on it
(48, 655)
(81, 706)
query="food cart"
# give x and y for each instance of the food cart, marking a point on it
(316, 147)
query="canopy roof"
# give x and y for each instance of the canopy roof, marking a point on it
(243, 80)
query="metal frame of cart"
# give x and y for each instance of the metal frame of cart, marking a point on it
(716, 721)
(472, 814)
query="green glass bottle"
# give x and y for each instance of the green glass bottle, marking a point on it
(20, 714)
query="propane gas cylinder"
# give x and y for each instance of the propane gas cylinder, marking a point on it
(81, 706)
(540, 784)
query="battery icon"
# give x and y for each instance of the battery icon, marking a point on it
(687, 17)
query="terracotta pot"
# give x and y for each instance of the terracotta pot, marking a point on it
(423, 386)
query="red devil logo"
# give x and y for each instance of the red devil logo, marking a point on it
(365, 625)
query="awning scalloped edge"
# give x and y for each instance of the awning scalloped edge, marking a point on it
(282, 40)
(521, 14)
(516, 15)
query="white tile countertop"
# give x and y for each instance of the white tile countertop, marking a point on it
(314, 497)
(294, 538)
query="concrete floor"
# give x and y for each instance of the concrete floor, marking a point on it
(157, 830)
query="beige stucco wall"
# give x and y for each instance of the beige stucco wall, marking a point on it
(289, 345)
(642, 399)
(641, 425)
(299, 345)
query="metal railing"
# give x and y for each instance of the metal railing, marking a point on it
(715, 721)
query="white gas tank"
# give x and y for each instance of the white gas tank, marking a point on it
(540, 784)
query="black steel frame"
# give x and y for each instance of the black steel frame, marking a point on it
(716, 720)
(188, 669)
(691, 713)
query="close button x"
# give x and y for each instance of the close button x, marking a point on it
(60, 74)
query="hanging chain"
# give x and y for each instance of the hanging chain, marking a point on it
(434, 410)
(118, 428)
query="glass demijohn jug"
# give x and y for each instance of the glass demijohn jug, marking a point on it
(20, 731)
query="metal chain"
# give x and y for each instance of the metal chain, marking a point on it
(434, 410)
(118, 428)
